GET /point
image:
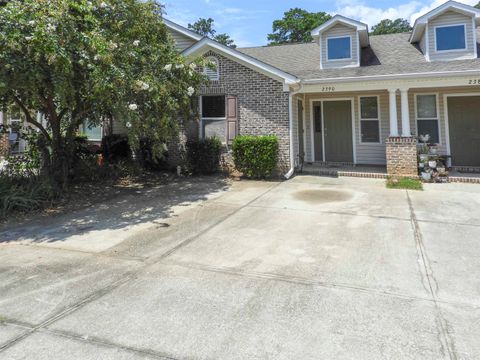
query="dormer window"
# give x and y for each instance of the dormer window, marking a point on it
(450, 38)
(339, 48)
(212, 70)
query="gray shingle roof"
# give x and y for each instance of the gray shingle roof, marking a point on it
(387, 55)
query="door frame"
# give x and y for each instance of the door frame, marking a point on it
(447, 124)
(322, 101)
(304, 135)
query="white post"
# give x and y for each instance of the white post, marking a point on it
(393, 113)
(405, 113)
(1, 118)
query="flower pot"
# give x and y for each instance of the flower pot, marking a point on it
(423, 157)
(432, 164)
(433, 151)
(421, 165)
(426, 176)
(441, 170)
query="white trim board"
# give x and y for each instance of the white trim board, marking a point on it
(182, 30)
(451, 50)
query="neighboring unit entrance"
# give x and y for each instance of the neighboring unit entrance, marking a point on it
(337, 131)
(464, 129)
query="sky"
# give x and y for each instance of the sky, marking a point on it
(249, 21)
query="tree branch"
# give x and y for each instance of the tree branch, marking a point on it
(30, 119)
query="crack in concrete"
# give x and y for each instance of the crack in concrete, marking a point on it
(431, 285)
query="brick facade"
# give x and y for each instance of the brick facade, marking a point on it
(402, 157)
(4, 145)
(262, 103)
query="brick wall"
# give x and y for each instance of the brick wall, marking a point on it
(4, 145)
(402, 157)
(262, 103)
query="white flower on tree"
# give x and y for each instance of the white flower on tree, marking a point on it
(190, 91)
(128, 125)
(193, 66)
(168, 67)
(136, 43)
(179, 66)
(140, 85)
(133, 107)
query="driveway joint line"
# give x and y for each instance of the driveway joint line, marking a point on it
(126, 278)
(307, 282)
(427, 272)
(92, 340)
(191, 239)
(331, 212)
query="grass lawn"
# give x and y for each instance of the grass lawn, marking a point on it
(404, 183)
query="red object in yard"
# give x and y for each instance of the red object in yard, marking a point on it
(100, 160)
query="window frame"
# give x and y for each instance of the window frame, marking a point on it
(449, 26)
(85, 126)
(339, 37)
(378, 119)
(437, 118)
(202, 119)
(217, 68)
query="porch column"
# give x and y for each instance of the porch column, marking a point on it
(393, 113)
(405, 113)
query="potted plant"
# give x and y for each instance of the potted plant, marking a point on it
(432, 164)
(427, 175)
(424, 149)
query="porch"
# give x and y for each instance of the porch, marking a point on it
(355, 127)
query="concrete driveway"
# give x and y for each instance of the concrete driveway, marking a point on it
(312, 268)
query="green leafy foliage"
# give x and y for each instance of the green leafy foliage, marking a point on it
(203, 156)
(478, 5)
(295, 26)
(388, 26)
(256, 156)
(206, 27)
(25, 194)
(74, 60)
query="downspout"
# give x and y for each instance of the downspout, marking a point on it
(290, 172)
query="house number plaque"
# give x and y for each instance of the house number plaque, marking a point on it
(474, 82)
(330, 88)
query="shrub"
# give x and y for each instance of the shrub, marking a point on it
(255, 156)
(25, 194)
(203, 156)
(115, 148)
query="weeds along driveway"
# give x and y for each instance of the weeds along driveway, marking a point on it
(310, 268)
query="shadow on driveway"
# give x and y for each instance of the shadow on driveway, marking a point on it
(131, 208)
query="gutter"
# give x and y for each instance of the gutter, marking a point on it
(392, 76)
(289, 174)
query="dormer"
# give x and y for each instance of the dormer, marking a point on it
(341, 40)
(448, 32)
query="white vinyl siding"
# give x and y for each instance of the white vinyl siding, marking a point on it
(182, 42)
(336, 31)
(448, 19)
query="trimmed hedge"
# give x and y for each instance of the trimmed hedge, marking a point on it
(203, 156)
(255, 156)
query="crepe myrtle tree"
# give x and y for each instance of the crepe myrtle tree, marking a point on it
(79, 60)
